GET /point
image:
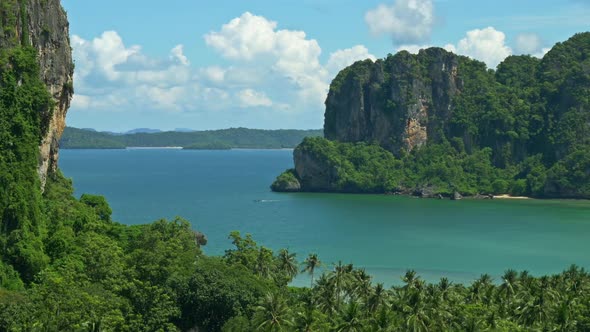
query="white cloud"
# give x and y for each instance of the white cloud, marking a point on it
(530, 43)
(412, 48)
(542, 52)
(244, 37)
(256, 40)
(344, 58)
(177, 53)
(251, 98)
(110, 75)
(487, 45)
(278, 72)
(214, 74)
(406, 21)
(80, 101)
(167, 99)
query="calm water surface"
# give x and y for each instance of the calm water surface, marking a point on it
(222, 191)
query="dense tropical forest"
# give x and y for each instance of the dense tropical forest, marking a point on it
(74, 138)
(521, 129)
(65, 265)
(85, 272)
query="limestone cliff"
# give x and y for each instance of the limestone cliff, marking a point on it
(438, 123)
(43, 25)
(399, 102)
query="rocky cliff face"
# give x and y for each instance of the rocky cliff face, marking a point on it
(400, 102)
(49, 34)
(453, 125)
(43, 24)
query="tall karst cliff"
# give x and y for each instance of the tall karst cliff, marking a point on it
(453, 125)
(43, 25)
(398, 102)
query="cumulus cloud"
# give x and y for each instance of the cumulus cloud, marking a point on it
(244, 37)
(110, 75)
(251, 98)
(214, 74)
(406, 21)
(530, 43)
(256, 40)
(412, 48)
(343, 58)
(80, 101)
(267, 69)
(487, 45)
(177, 54)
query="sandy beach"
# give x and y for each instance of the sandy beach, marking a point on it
(506, 196)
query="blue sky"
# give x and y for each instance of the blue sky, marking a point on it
(268, 64)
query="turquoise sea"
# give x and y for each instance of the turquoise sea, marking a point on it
(222, 191)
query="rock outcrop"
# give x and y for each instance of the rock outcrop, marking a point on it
(287, 182)
(49, 33)
(43, 25)
(399, 102)
(435, 123)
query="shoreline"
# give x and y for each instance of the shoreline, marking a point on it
(153, 148)
(466, 198)
(506, 196)
(170, 148)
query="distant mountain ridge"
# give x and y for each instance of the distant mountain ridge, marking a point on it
(143, 130)
(74, 138)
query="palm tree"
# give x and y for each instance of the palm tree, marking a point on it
(417, 320)
(360, 285)
(537, 308)
(351, 319)
(311, 263)
(565, 318)
(325, 295)
(508, 286)
(287, 263)
(305, 320)
(272, 314)
(340, 278)
(445, 290)
(410, 279)
(481, 289)
(377, 298)
(383, 321)
(263, 262)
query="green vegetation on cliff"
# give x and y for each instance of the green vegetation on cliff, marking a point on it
(438, 123)
(74, 138)
(23, 101)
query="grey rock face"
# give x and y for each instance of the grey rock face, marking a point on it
(400, 102)
(47, 29)
(314, 173)
(49, 33)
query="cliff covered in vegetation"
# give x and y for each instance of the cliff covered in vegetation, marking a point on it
(438, 123)
(40, 29)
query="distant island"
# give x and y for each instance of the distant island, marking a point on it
(233, 138)
(436, 124)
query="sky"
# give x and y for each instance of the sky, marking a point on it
(268, 64)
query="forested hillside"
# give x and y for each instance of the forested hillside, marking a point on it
(437, 123)
(65, 265)
(74, 138)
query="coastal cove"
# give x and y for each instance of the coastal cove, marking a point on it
(222, 191)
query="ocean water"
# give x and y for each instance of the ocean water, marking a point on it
(222, 191)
